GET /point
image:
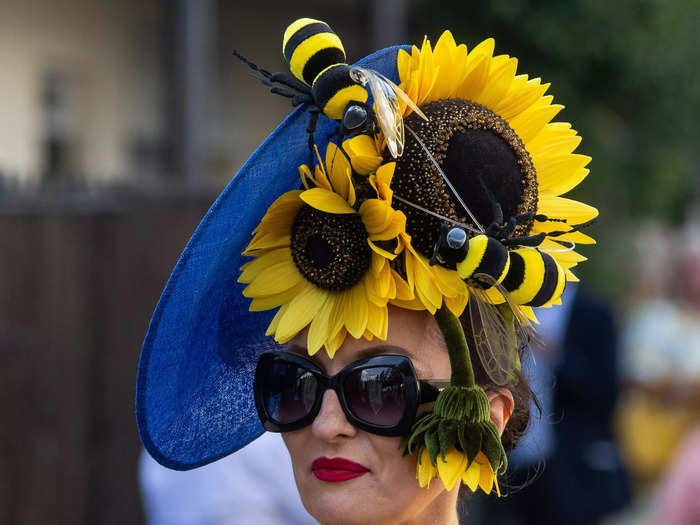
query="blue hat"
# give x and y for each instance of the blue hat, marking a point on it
(194, 397)
(462, 217)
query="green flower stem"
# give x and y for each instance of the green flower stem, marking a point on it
(457, 349)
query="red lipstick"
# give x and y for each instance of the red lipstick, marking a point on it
(337, 469)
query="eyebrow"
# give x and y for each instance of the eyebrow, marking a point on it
(371, 351)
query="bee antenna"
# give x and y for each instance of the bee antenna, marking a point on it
(543, 218)
(436, 215)
(252, 65)
(444, 177)
(575, 228)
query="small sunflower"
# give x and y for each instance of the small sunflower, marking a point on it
(318, 257)
(454, 467)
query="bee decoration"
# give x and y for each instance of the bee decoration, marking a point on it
(496, 264)
(520, 272)
(327, 84)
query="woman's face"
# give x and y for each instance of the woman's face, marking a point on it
(388, 492)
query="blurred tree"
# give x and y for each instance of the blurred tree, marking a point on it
(627, 72)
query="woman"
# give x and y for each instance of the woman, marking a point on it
(369, 480)
(402, 275)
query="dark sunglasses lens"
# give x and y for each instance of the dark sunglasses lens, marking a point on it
(376, 395)
(289, 391)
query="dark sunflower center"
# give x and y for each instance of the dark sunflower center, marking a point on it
(482, 157)
(330, 249)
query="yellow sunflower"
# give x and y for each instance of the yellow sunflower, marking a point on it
(450, 71)
(455, 467)
(331, 304)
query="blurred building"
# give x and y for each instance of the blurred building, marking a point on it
(116, 91)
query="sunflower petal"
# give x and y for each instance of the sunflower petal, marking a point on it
(363, 153)
(403, 290)
(272, 327)
(456, 304)
(445, 53)
(335, 342)
(326, 201)
(380, 251)
(268, 302)
(403, 62)
(486, 476)
(499, 82)
(477, 66)
(376, 321)
(471, 476)
(521, 94)
(356, 312)
(252, 269)
(267, 242)
(574, 212)
(531, 121)
(529, 313)
(339, 171)
(452, 467)
(300, 312)
(318, 331)
(376, 215)
(274, 279)
(558, 175)
(425, 470)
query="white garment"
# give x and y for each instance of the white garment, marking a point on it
(254, 485)
(661, 340)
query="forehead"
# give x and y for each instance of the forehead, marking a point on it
(414, 334)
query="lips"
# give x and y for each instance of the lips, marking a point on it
(337, 469)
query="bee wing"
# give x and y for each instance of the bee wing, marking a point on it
(526, 332)
(405, 98)
(497, 344)
(386, 107)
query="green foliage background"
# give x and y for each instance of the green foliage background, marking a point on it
(628, 72)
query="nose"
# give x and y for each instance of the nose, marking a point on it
(331, 424)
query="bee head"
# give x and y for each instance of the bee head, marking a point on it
(355, 116)
(452, 246)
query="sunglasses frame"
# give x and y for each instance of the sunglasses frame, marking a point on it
(416, 391)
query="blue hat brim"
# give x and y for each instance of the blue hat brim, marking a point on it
(194, 394)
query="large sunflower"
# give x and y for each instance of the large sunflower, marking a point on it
(485, 92)
(317, 257)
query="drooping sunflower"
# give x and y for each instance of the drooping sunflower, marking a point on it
(455, 466)
(317, 257)
(480, 108)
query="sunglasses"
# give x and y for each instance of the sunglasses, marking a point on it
(378, 394)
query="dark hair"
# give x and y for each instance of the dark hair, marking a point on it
(519, 419)
(519, 388)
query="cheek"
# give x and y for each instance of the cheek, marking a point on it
(294, 442)
(398, 492)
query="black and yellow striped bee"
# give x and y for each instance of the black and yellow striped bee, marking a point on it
(517, 270)
(327, 84)
(497, 265)
(530, 276)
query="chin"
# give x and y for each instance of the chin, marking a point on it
(346, 503)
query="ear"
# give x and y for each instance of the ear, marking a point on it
(502, 404)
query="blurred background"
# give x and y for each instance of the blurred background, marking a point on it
(120, 122)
